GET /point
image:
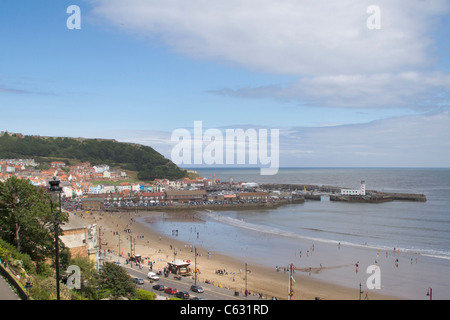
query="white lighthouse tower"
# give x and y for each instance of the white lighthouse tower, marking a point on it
(363, 188)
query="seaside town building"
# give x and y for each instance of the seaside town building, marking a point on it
(93, 203)
(81, 239)
(57, 164)
(253, 196)
(152, 197)
(98, 187)
(21, 162)
(185, 196)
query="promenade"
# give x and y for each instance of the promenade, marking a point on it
(211, 292)
(6, 292)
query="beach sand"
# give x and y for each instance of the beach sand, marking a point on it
(159, 248)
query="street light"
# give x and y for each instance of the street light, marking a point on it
(430, 293)
(119, 247)
(54, 189)
(28, 286)
(195, 266)
(246, 273)
(360, 291)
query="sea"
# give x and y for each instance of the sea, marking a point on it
(409, 241)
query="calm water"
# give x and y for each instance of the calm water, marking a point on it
(276, 236)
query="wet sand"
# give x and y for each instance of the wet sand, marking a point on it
(262, 279)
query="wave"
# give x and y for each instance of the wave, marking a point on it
(272, 231)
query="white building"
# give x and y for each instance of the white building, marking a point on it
(80, 238)
(101, 168)
(68, 192)
(123, 188)
(175, 184)
(95, 189)
(247, 185)
(355, 192)
(135, 187)
(108, 188)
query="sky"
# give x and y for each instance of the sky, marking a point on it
(346, 85)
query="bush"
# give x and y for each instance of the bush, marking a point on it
(145, 295)
(46, 290)
(43, 269)
(9, 253)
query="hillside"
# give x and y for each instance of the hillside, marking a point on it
(145, 160)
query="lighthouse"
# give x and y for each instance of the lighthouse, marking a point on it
(363, 188)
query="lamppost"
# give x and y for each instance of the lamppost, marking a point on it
(360, 291)
(430, 293)
(195, 266)
(54, 189)
(119, 247)
(28, 286)
(246, 273)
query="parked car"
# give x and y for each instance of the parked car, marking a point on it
(170, 290)
(138, 280)
(152, 276)
(198, 289)
(159, 287)
(182, 295)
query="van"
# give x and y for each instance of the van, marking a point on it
(152, 276)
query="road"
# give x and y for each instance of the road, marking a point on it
(210, 292)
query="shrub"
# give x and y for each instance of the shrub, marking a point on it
(145, 295)
(21, 260)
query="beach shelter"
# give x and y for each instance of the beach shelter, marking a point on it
(179, 267)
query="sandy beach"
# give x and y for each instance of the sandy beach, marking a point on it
(159, 248)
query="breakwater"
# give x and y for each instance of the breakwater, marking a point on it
(315, 192)
(300, 193)
(238, 206)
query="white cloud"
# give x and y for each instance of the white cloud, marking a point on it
(403, 90)
(420, 140)
(300, 37)
(339, 61)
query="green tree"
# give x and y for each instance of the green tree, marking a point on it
(89, 277)
(26, 218)
(149, 163)
(115, 280)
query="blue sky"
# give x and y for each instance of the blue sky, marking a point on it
(340, 93)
